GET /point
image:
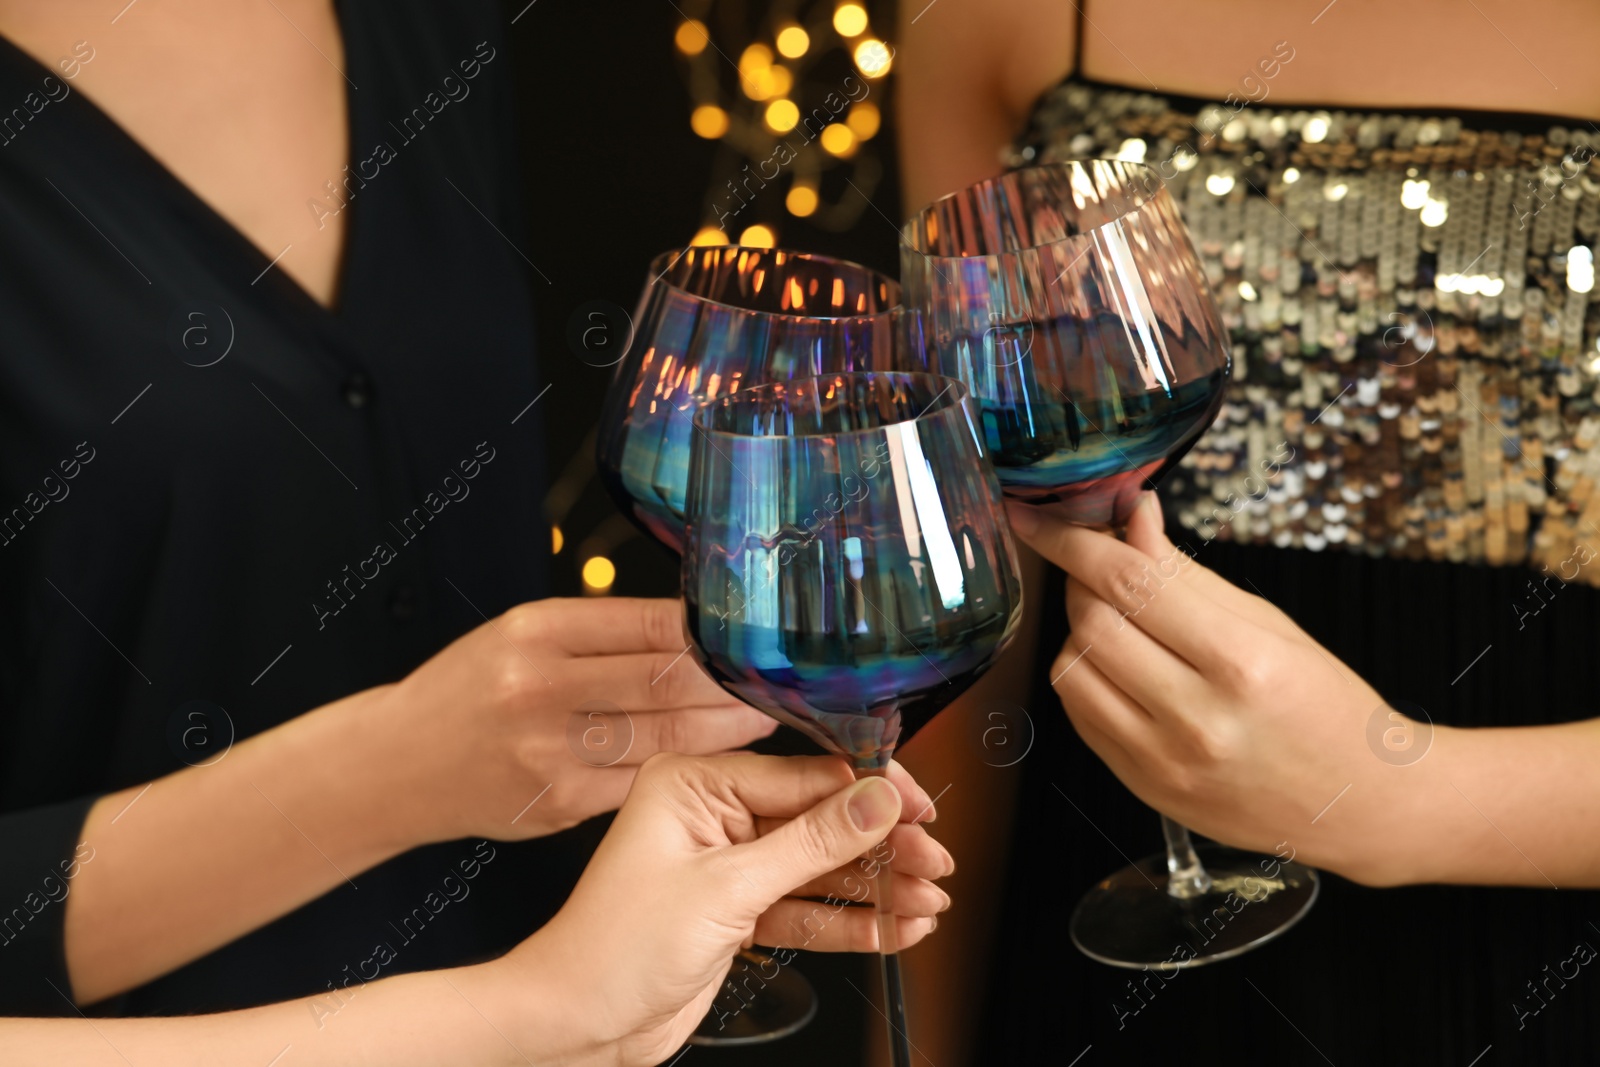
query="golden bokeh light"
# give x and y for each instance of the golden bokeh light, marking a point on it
(556, 540)
(801, 201)
(768, 82)
(598, 574)
(864, 120)
(709, 235)
(850, 19)
(691, 37)
(709, 121)
(793, 42)
(872, 57)
(838, 140)
(754, 60)
(782, 115)
(758, 236)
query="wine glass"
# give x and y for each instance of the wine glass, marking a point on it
(847, 568)
(710, 322)
(714, 320)
(1069, 299)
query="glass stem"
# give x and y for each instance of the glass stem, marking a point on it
(894, 995)
(1186, 876)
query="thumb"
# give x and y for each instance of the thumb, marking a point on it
(838, 829)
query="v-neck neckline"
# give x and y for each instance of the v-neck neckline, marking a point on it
(261, 264)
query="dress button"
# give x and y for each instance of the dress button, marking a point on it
(357, 390)
(403, 603)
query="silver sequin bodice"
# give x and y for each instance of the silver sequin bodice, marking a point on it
(1414, 343)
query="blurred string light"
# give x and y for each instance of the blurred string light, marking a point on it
(599, 573)
(757, 236)
(802, 100)
(850, 19)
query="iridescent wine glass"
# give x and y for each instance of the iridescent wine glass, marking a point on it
(1069, 299)
(710, 322)
(847, 568)
(714, 320)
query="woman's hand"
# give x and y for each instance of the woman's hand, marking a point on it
(703, 860)
(1214, 708)
(492, 737)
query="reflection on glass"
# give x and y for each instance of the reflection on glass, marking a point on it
(711, 322)
(1070, 301)
(847, 567)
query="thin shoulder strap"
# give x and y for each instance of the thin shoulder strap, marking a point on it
(1077, 40)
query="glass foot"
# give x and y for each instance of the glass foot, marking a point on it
(761, 1000)
(1130, 920)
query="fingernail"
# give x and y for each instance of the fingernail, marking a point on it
(1148, 502)
(933, 924)
(947, 903)
(873, 805)
(1024, 520)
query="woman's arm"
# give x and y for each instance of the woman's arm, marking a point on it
(717, 846)
(475, 742)
(1214, 708)
(967, 75)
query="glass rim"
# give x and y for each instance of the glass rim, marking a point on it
(1156, 187)
(953, 388)
(663, 262)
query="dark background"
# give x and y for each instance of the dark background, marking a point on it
(1420, 975)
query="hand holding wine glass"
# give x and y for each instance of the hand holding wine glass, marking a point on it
(1070, 300)
(719, 847)
(847, 568)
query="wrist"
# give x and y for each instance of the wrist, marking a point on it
(550, 1011)
(1445, 836)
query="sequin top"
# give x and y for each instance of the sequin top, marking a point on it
(1408, 297)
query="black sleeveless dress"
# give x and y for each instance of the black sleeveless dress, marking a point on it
(1409, 302)
(197, 462)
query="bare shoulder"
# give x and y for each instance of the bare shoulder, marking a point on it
(1531, 56)
(969, 71)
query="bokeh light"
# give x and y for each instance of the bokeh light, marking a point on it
(782, 115)
(709, 121)
(758, 236)
(801, 201)
(838, 140)
(598, 575)
(850, 19)
(872, 57)
(691, 37)
(864, 120)
(793, 42)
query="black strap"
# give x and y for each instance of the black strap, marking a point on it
(1077, 40)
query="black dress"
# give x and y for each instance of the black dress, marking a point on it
(222, 505)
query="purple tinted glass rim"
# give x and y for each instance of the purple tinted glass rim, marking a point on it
(1155, 189)
(665, 261)
(950, 394)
